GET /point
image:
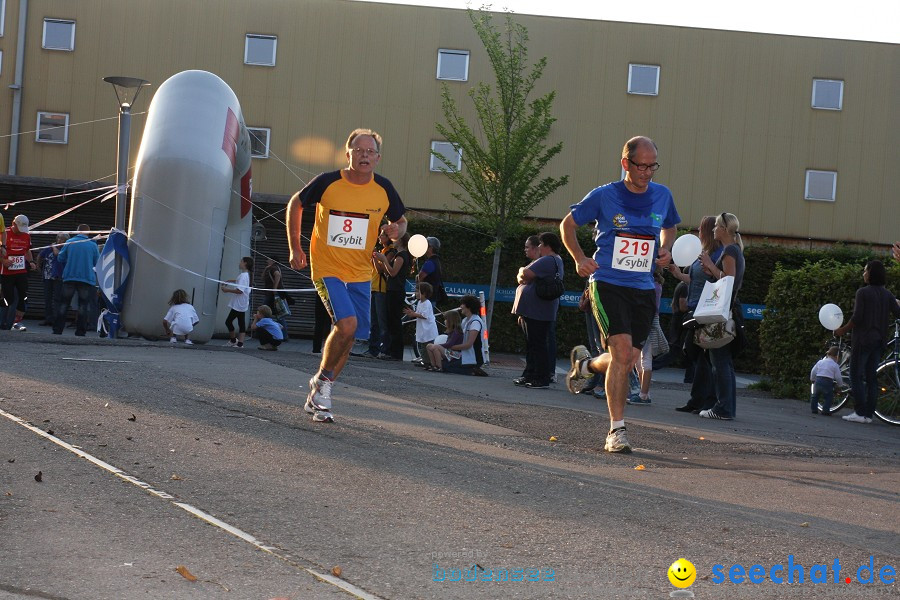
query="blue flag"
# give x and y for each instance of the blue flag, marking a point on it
(115, 246)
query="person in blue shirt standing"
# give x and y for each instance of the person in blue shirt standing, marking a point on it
(78, 256)
(635, 229)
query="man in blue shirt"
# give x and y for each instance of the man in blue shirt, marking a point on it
(79, 257)
(635, 229)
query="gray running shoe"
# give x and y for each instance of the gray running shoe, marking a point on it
(575, 381)
(616, 441)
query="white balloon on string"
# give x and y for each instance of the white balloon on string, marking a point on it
(686, 250)
(418, 245)
(831, 316)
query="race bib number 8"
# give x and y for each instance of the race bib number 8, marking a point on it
(348, 230)
(17, 263)
(634, 254)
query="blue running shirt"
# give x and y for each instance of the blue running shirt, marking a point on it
(627, 231)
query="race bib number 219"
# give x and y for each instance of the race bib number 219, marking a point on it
(634, 254)
(348, 230)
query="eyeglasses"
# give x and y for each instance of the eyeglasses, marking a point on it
(643, 168)
(364, 151)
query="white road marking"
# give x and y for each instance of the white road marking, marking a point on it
(98, 360)
(243, 535)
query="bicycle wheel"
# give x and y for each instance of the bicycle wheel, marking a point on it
(888, 406)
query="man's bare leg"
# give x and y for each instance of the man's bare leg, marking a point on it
(337, 346)
(619, 362)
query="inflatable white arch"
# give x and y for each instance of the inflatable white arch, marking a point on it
(190, 220)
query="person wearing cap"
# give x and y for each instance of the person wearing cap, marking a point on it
(431, 271)
(79, 257)
(17, 262)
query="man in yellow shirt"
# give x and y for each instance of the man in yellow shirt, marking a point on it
(349, 206)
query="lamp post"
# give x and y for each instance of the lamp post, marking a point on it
(127, 90)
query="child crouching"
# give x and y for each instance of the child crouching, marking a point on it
(825, 375)
(267, 330)
(181, 317)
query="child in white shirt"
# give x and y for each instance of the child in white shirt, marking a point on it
(426, 327)
(181, 318)
(825, 375)
(239, 303)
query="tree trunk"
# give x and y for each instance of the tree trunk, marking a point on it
(492, 292)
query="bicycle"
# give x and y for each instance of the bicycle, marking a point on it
(887, 407)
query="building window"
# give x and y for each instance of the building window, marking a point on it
(828, 94)
(260, 50)
(450, 157)
(259, 141)
(58, 35)
(52, 128)
(453, 65)
(643, 80)
(821, 185)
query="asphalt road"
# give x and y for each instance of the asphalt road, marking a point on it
(202, 457)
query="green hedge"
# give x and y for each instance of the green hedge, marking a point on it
(465, 260)
(791, 333)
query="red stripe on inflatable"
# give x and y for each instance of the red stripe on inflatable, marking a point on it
(229, 139)
(246, 191)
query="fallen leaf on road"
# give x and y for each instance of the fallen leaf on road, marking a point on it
(336, 571)
(553, 438)
(175, 477)
(702, 438)
(51, 432)
(804, 524)
(39, 476)
(12, 460)
(133, 417)
(640, 468)
(182, 570)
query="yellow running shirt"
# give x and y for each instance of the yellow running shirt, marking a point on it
(347, 221)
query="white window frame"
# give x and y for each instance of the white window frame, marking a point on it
(840, 105)
(2, 17)
(260, 36)
(448, 51)
(814, 172)
(655, 91)
(268, 139)
(44, 45)
(433, 162)
(38, 129)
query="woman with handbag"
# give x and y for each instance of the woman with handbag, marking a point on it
(730, 263)
(702, 396)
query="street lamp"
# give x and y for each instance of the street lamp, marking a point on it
(127, 90)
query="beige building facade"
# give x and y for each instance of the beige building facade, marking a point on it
(794, 135)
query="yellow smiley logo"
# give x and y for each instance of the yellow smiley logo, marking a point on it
(682, 573)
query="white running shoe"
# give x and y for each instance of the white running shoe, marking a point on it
(19, 327)
(575, 381)
(318, 401)
(189, 342)
(616, 441)
(173, 340)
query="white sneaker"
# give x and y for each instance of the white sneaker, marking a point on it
(189, 342)
(855, 418)
(19, 327)
(173, 340)
(575, 381)
(617, 442)
(318, 401)
(230, 344)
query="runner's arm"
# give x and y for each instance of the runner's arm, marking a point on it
(294, 218)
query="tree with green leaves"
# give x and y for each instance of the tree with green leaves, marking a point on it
(504, 152)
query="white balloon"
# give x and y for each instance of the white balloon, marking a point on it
(831, 316)
(686, 250)
(418, 245)
(441, 339)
